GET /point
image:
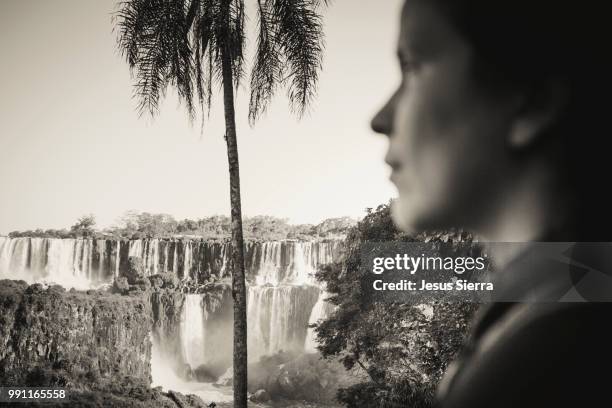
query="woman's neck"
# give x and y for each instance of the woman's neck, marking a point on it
(530, 209)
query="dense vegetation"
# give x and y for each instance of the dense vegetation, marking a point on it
(403, 348)
(146, 225)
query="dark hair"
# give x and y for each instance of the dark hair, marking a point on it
(531, 43)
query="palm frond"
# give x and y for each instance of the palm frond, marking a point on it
(204, 44)
(179, 43)
(289, 49)
(268, 68)
(300, 36)
(166, 42)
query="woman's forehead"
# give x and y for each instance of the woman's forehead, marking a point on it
(424, 30)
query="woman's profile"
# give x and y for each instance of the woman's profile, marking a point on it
(499, 126)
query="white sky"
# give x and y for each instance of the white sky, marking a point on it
(71, 142)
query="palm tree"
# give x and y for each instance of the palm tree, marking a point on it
(191, 44)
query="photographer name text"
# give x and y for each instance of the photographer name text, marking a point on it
(413, 264)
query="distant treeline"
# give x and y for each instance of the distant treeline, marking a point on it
(137, 225)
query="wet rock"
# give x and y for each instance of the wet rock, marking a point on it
(167, 307)
(170, 280)
(156, 282)
(260, 396)
(165, 280)
(186, 401)
(143, 284)
(178, 398)
(121, 285)
(35, 288)
(56, 289)
(195, 401)
(227, 378)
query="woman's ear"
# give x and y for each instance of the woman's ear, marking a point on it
(538, 110)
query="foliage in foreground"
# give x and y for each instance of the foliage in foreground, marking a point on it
(403, 348)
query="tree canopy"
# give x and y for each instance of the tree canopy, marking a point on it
(135, 224)
(404, 348)
(181, 43)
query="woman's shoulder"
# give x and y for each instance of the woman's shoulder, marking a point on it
(535, 354)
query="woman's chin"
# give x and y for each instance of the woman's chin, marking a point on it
(403, 215)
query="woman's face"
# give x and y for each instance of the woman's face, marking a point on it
(447, 148)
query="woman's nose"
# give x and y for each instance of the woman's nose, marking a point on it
(382, 122)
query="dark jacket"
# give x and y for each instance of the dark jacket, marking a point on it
(549, 349)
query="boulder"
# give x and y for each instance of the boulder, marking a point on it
(121, 285)
(260, 396)
(227, 378)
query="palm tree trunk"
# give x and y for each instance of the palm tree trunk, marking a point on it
(237, 243)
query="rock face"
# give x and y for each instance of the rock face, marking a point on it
(167, 306)
(96, 344)
(79, 338)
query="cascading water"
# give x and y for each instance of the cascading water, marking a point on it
(78, 263)
(187, 260)
(278, 318)
(193, 335)
(282, 298)
(320, 311)
(86, 263)
(284, 294)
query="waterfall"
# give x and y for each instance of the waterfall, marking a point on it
(283, 296)
(14, 257)
(102, 259)
(320, 311)
(65, 263)
(73, 263)
(38, 257)
(175, 258)
(187, 260)
(269, 267)
(192, 331)
(278, 318)
(149, 253)
(135, 248)
(288, 262)
(99, 260)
